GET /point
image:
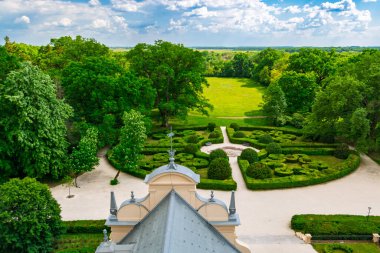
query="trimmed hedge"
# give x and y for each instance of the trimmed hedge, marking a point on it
(134, 172)
(85, 226)
(333, 226)
(250, 155)
(331, 248)
(342, 169)
(218, 153)
(224, 185)
(219, 169)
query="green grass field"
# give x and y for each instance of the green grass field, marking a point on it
(234, 97)
(357, 247)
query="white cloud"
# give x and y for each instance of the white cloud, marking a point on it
(100, 23)
(369, 1)
(293, 9)
(201, 12)
(65, 22)
(94, 2)
(128, 5)
(23, 19)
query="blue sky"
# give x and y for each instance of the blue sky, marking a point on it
(195, 22)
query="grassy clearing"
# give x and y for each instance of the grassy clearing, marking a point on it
(83, 243)
(233, 97)
(357, 247)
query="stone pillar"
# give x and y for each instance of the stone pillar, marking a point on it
(375, 238)
(308, 238)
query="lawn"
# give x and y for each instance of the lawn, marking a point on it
(81, 243)
(357, 247)
(234, 97)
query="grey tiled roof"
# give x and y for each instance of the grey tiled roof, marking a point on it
(174, 226)
(178, 169)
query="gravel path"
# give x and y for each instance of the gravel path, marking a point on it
(265, 215)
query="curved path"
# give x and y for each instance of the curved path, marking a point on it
(265, 215)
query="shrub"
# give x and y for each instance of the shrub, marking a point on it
(200, 163)
(259, 171)
(114, 181)
(190, 148)
(297, 120)
(214, 135)
(273, 148)
(211, 126)
(224, 185)
(250, 155)
(219, 169)
(331, 248)
(265, 138)
(218, 153)
(239, 134)
(235, 126)
(192, 139)
(342, 151)
(30, 218)
(85, 226)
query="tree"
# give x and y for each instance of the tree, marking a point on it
(30, 217)
(32, 125)
(242, 65)
(274, 102)
(177, 75)
(132, 139)
(83, 158)
(265, 61)
(314, 60)
(7, 63)
(299, 90)
(20, 50)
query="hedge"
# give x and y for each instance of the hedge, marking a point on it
(85, 226)
(333, 227)
(256, 144)
(224, 185)
(134, 172)
(344, 168)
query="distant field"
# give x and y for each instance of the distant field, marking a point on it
(234, 97)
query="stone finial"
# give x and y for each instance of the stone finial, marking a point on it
(172, 165)
(211, 197)
(132, 197)
(232, 207)
(105, 235)
(113, 206)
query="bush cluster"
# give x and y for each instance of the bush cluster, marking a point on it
(214, 135)
(273, 148)
(192, 139)
(259, 171)
(265, 138)
(235, 126)
(239, 134)
(190, 148)
(219, 169)
(250, 155)
(211, 126)
(218, 153)
(342, 151)
(85, 226)
(331, 248)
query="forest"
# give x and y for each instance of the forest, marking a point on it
(63, 101)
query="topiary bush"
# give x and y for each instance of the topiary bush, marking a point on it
(218, 153)
(192, 139)
(235, 126)
(219, 169)
(265, 138)
(259, 171)
(331, 248)
(211, 126)
(214, 135)
(239, 134)
(250, 155)
(190, 148)
(273, 148)
(342, 151)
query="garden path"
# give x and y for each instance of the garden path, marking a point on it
(265, 215)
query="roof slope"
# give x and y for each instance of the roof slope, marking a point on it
(174, 226)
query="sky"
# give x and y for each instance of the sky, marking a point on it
(228, 23)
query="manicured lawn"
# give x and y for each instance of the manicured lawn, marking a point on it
(233, 96)
(330, 160)
(357, 247)
(83, 243)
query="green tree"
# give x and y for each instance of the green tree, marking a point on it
(274, 102)
(83, 158)
(7, 63)
(177, 75)
(314, 60)
(132, 139)
(265, 61)
(242, 65)
(61, 51)
(299, 90)
(20, 50)
(30, 218)
(32, 125)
